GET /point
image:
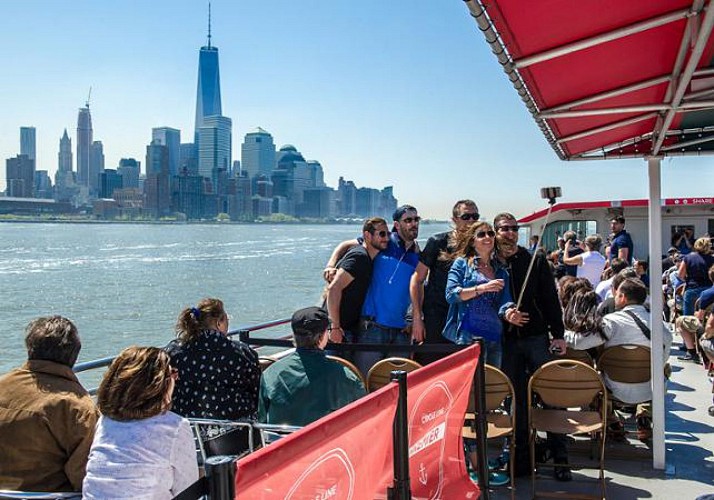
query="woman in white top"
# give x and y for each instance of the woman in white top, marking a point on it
(141, 450)
(591, 262)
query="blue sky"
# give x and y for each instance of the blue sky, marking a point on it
(381, 92)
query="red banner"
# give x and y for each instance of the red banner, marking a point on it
(438, 396)
(346, 455)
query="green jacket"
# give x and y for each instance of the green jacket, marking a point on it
(304, 387)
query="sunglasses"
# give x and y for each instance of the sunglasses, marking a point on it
(381, 234)
(504, 229)
(409, 220)
(470, 216)
(483, 234)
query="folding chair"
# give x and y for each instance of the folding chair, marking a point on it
(500, 423)
(579, 355)
(349, 365)
(626, 363)
(567, 390)
(379, 374)
(224, 437)
(38, 495)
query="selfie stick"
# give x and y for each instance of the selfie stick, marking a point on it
(550, 194)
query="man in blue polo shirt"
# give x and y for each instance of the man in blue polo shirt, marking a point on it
(621, 244)
(387, 301)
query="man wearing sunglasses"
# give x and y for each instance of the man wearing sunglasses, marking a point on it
(385, 307)
(528, 346)
(347, 290)
(429, 306)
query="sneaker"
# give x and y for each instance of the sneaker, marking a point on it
(473, 475)
(616, 431)
(693, 357)
(498, 478)
(562, 474)
(493, 464)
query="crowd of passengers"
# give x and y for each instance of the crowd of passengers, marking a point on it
(473, 281)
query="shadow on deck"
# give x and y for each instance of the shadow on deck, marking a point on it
(689, 443)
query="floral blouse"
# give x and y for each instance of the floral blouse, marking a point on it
(218, 377)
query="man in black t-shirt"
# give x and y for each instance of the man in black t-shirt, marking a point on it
(429, 306)
(348, 288)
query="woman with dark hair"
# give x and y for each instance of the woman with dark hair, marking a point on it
(582, 321)
(220, 377)
(140, 448)
(478, 293)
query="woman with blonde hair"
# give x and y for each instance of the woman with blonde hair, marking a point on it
(140, 448)
(220, 377)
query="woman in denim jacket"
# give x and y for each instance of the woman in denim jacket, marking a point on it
(478, 293)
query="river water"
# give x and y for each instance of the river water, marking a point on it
(125, 284)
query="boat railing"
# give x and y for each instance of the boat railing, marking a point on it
(243, 332)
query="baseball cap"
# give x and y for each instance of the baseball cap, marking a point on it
(309, 321)
(401, 211)
(672, 250)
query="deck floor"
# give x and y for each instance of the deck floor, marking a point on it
(689, 442)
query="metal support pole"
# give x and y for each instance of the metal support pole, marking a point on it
(221, 474)
(656, 351)
(402, 488)
(244, 336)
(479, 389)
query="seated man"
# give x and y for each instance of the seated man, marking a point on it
(47, 419)
(305, 385)
(630, 324)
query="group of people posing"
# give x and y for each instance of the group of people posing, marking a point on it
(473, 281)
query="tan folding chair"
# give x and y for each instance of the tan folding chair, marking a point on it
(379, 374)
(567, 389)
(500, 423)
(350, 365)
(578, 355)
(265, 362)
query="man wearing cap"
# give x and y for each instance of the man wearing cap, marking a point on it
(347, 290)
(621, 244)
(305, 385)
(385, 307)
(387, 301)
(429, 306)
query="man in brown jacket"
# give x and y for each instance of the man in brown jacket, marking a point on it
(47, 418)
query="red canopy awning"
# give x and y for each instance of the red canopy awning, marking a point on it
(609, 78)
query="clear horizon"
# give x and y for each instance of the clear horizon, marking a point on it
(376, 92)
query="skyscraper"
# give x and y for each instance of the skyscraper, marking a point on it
(258, 153)
(214, 146)
(28, 144)
(84, 144)
(208, 94)
(20, 175)
(64, 157)
(171, 138)
(96, 166)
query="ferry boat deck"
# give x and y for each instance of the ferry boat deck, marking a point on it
(689, 443)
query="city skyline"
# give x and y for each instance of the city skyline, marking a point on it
(376, 93)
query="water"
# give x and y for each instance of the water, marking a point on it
(125, 284)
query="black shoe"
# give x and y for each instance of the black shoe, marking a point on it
(562, 474)
(693, 357)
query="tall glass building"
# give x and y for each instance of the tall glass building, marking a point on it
(214, 146)
(258, 153)
(28, 145)
(208, 95)
(84, 145)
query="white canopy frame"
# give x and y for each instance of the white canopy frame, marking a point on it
(698, 30)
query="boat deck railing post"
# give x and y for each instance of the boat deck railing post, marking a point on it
(221, 475)
(479, 424)
(402, 488)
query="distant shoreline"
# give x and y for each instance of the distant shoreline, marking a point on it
(192, 222)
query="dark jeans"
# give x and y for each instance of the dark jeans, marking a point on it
(521, 358)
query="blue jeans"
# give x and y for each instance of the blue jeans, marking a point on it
(379, 335)
(690, 297)
(493, 352)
